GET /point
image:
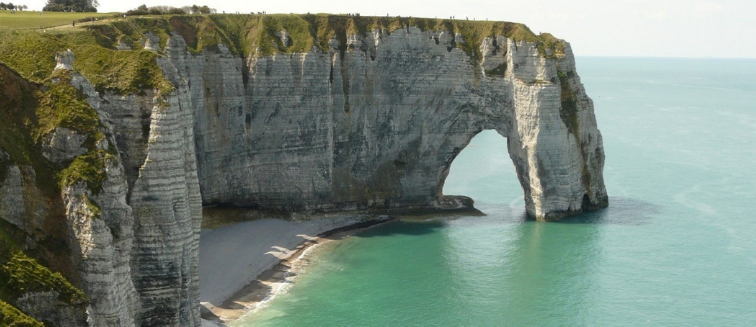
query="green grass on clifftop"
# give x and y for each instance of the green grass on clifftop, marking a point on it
(244, 34)
(310, 30)
(47, 19)
(32, 54)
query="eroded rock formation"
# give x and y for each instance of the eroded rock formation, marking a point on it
(371, 120)
(379, 126)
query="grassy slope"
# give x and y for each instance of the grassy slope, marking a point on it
(32, 54)
(33, 19)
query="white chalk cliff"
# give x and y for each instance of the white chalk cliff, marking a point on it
(379, 128)
(374, 124)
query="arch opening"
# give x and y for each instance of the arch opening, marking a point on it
(483, 171)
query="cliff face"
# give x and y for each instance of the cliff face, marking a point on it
(151, 203)
(379, 125)
(127, 198)
(355, 115)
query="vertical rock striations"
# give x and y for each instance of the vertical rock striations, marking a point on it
(377, 125)
(167, 210)
(154, 134)
(100, 220)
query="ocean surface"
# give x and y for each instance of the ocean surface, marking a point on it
(677, 246)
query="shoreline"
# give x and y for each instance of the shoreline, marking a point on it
(266, 285)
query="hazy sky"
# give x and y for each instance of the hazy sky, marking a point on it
(658, 28)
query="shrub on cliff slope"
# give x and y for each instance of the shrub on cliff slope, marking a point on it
(71, 5)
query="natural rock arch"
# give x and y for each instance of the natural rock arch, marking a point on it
(376, 126)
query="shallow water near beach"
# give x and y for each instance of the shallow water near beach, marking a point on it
(675, 247)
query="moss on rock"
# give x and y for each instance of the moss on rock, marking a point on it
(569, 109)
(62, 105)
(12, 317)
(32, 112)
(20, 274)
(18, 118)
(28, 112)
(88, 168)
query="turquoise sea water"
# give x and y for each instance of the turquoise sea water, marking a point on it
(677, 246)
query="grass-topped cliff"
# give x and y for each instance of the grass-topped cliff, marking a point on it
(49, 19)
(31, 52)
(245, 34)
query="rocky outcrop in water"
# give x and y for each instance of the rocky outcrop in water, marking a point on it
(368, 120)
